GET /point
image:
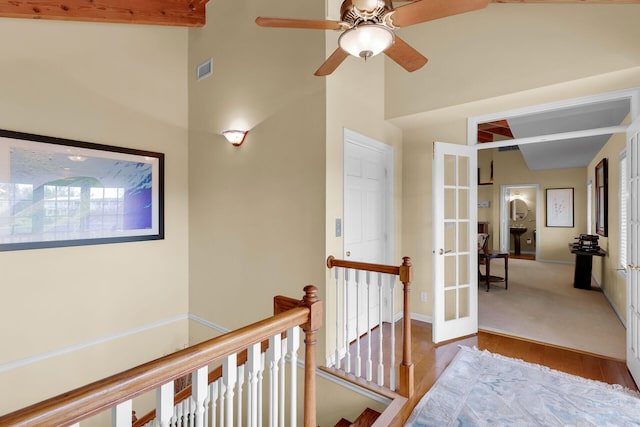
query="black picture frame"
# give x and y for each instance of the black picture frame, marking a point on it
(602, 198)
(57, 192)
(559, 203)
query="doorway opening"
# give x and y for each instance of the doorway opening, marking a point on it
(519, 220)
(551, 134)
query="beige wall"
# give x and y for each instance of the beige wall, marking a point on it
(605, 269)
(257, 212)
(540, 45)
(120, 85)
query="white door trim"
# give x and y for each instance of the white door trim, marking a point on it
(632, 94)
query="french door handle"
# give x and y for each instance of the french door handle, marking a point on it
(442, 251)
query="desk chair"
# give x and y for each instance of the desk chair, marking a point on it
(485, 256)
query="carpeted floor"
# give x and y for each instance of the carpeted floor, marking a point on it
(541, 304)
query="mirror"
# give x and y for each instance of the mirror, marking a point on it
(602, 206)
(518, 209)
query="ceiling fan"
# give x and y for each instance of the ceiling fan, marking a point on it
(368, 28)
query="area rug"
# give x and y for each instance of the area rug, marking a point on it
(480, 388)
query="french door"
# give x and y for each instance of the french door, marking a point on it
(633, 253)
(455, 255)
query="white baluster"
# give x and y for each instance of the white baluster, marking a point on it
(392, 363)
(214, 391)
(369, 365)
(229, 378)
(121, 414)
(240, 391)
(221, 403)
(184, 420)
(358, 327)
(254, 366)
(199, 393)
(274, 354)
(178, 413)
(207, 402)
(293, 343)
(283, 388)
(260, 393)
(347, 367)
(381, 335)
(338, 329)
(164, 404)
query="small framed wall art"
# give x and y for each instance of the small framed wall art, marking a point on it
(559, 207)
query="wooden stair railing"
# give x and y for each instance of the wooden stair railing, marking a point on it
(404, 272)
(117, 391)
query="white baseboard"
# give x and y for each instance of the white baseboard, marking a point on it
(553, 261)
(606, 295)
(422, 318)
(208, 324)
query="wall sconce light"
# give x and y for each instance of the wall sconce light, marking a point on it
(235, 137)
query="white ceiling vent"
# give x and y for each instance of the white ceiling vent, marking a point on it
(205, 69)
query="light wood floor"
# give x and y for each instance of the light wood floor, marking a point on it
(431, 360)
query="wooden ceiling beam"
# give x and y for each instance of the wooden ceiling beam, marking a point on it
(181, 13)
(500, 127)
(484, 136)
(498, 131)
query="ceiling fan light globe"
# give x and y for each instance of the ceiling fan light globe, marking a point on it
(366, 40)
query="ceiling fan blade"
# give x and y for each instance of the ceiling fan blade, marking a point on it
(570, 1)
(406, 56)
(298, 23)
(332, 62)
(428, 10)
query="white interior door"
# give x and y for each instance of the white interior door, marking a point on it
(455, 237)
(364, 204)
(633, 253)
(366, 219)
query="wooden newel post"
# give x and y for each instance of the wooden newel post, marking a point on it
(406, 366)
(310, 329)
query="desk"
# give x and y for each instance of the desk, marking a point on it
(584, 261)
(487, 256)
